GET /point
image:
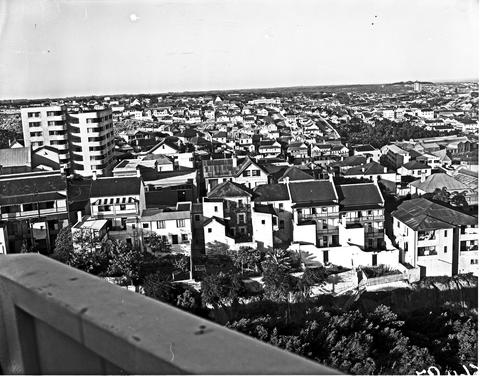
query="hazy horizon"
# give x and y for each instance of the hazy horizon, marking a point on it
(59, 48)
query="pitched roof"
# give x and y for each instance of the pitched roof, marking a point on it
(115, 186)
(271, 192)
(440, 181)
(31, 187)
(294, 173)
(353, 160)
(219, 220)
(363, 195)
(312, 192)
(229, 189)
(421, 214)
(15, 157)
(372, 168)
(414, 165)
(163, 215)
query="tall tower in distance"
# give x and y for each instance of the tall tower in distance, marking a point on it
(91, 142)
(417, 86)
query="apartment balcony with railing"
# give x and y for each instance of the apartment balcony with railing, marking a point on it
(58, 320)
(31, 210)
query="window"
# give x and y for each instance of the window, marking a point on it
(256, 173)
(160, 224)
(215, 208)
(246, 173)
(274, 221)
(197, 217)
(474, 261)
(123, 206)
(241, 218)
(184, 238)
(369, 212)
(180, 222)
(398, 224)
(324, 224)
(209, 230)
(445, 249)
(313, 210)
(240, 203)
(324, 210)
(145, 225)
(445, 233)
(242, 230)
(280, 206)
(263, 221)
(282, 224)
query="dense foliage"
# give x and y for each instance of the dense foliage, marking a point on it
(378, 342)
(383, 133)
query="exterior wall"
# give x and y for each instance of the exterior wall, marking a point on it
(213, 232)
(184, 160)
(46, 128)
(250, 181)
(285, 219)
(351, 236)
(326, 221)
(213, 209)
(306, 233)
(468, 262)
(262, 225)
(171, 230)
(91, 142)
(350, 257)
(3, 240)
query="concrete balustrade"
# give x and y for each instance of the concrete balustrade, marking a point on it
(55, 319)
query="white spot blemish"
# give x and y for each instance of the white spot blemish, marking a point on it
(134, 17)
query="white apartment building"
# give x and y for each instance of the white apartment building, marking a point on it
(91, 142)
(439, 240)
(46, 126)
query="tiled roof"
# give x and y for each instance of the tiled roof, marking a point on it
(31, 187)
(115, 186)
(271, 192)
(414, 165)
(423, 215)
(163, 215)
(372, 168)
(229, 189)
(313, 192)
(440, 181)
(363, 195)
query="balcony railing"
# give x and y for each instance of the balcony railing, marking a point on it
(58, 320)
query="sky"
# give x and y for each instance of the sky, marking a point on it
(55, 48)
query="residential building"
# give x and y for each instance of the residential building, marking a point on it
(33, 209)
(46, 126)
(438, 239)
(91, 142)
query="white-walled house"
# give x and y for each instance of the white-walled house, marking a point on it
(174, 226)
(440, 240)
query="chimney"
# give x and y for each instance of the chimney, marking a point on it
(234, 160)
(422, 178)
(138, 173)
(363, 169)
(385, 170)
(94, 175)
(79, 216)
(286, 180)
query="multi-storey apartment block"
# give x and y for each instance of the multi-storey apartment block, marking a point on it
(46, 126)
(91, 142)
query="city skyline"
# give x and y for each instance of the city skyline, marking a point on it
(159, 47)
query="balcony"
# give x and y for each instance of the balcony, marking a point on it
(58, 320)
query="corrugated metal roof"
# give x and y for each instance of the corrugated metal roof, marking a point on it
(423, 215)
(15, 157)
